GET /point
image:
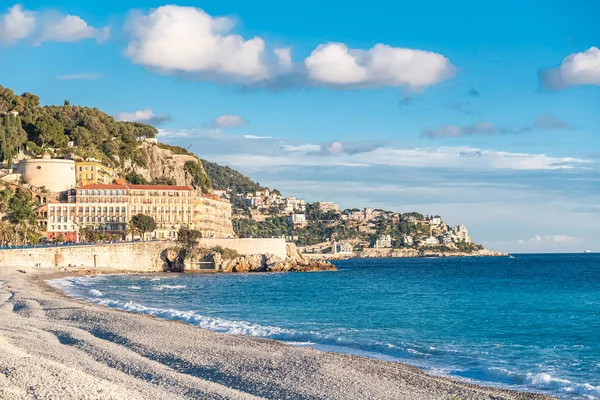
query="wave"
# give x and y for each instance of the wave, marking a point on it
(538, 381)
(96, 293)
(169, 287)
(134, 287)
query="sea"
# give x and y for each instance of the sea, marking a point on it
(530, 323)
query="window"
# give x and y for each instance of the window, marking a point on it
(92, 168)
(81, 169)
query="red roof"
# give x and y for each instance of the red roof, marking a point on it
(135, 187)
(158, 187)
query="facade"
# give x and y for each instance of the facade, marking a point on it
(326, 206)
(298, 220)
(431, 241)
(56, 175)
(109, 208)
(437, 220)
(383, 242)
(92, 172)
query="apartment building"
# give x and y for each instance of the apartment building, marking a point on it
(109, 208)
(92, 172)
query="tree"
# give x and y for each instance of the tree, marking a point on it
(51, 131)
(188, 238)
(199, 177)
(21, 208)
(7, 233)
(143, 223)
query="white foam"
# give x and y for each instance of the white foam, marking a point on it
(96, 293)
(169, 287)
(134, 287)
(546, 381)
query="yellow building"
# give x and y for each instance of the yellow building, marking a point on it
(92, 173)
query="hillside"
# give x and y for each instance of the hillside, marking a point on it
(28, 129)
(230, 180)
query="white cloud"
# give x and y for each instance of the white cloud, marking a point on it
(228, 121)
(79, 76)
(284, 55)
(71, 28)
(191, 133)
(16, 24)
(303, 148)
(146, 116)
(463, 158)
(186, 39)
(548, 239)
(576, 69)
(336, 65)
(254, 137)
(455, 131)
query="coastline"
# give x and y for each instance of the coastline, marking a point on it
(103, 353)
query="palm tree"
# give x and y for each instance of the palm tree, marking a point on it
(7, 233)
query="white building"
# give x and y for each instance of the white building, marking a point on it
(56, 175)
(297, 219)
(383, 242)
(407, 240)
(431, 241)
(437, 220)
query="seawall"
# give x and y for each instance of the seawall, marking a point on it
(135, 257)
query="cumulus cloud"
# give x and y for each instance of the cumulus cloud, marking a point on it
(544, 121)
(16, 24)
(187, 39)
(71, 28)
(548, 239)
(146, 116)
(576, 69)
(228, 121)
(336, 65)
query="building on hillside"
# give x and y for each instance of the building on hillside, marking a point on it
(407, 240)
(383, 242)
(345, 248)
(109, 208)
(461, 232)
(14, 113)
(56, 175)
(431, 241)
(437, 220)
(93, 172)
(326, 206)
(298, 220)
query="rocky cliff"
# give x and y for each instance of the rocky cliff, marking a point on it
(163, 164)
(201, 259)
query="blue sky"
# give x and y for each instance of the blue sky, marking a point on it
(487, 115)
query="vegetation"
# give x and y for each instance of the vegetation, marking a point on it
(142, 223)
(19, 224)
(175, 149)
(199, 177)
(226, 253)
(230, 180)
(93, 133)
(188, 238)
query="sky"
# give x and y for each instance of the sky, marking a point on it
(488, 115)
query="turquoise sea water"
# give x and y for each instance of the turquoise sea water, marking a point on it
(529, 323)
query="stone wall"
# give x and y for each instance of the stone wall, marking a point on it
(136, 257)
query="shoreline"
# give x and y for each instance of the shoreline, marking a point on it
(118, 354)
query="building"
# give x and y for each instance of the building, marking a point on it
(407, 240)
(437, 220)
(298, 220)
(109, 208)
(326, 206)
(92, 172)
(462, 234)
(431, 241)
(62, 222)
(56, 175)
(383, 242)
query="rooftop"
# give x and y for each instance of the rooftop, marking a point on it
(135, 187)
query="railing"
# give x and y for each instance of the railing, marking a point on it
(54, 245)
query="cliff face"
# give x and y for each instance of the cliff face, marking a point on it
(162, 164)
